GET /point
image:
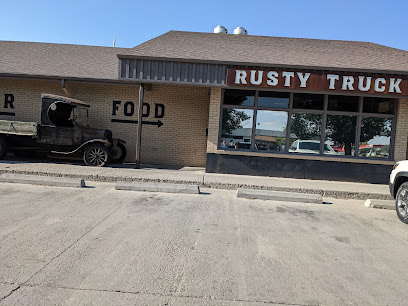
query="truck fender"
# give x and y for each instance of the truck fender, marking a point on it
(116, 140)
(400, 178)
(102, 141)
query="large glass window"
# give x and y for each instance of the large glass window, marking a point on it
(343, 103)
(340, 134)
(298, 123)
(236, 129)
(305, 133)
(273, 99)
(378, 105)
(375, 137)
(270, 131)
(239, 97)
(308, 101)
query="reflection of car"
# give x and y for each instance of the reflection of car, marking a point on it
(63, 130)
(310, 147)
(370, 150)
(399, 189)
(243, 145)
(339, 149)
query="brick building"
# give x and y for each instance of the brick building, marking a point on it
(240, 104)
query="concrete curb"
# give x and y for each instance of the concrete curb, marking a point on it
(279, 196)
(205, 184)
(158, 187)
(381, 204)
(338, 194)
(42, 180)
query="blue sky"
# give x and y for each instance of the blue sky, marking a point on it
(133, 22)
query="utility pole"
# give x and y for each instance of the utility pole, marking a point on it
(139, 126)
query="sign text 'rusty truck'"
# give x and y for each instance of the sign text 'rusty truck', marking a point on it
(319, 81)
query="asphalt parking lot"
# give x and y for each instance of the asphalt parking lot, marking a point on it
(101, 246)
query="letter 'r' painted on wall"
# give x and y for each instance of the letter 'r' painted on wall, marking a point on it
(8, 100)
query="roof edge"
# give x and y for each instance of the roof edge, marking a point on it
(60, 78)
(266, 65)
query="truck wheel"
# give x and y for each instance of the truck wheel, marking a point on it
(401, 202)
(96, 154)
(118, 153)
(3, 148)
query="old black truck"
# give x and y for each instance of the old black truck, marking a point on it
(63, 130)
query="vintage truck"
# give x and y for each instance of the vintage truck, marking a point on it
(63, 130)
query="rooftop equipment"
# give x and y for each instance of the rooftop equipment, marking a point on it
(241, 31)
(220, 29)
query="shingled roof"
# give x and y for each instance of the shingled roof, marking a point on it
(275, 51)
(59, 60)
(101, 63)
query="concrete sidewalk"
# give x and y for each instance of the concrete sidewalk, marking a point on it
(192, 175)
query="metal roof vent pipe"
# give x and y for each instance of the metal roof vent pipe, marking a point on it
(220, 29)
(241, 31)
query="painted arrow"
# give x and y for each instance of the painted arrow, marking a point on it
(158, 123)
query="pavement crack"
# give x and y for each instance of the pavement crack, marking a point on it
(11, 292)
(170, 295)
(73, 243)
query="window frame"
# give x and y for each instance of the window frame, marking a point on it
(324, 113)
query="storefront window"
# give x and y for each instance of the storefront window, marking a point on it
(305, 133)
(270, 134)
(340, 134)
(236, 130)
(378, 105)
(239, 97)
(375, 137)
(308, 101)
(273, 99)
(343, 103)
(295, 123)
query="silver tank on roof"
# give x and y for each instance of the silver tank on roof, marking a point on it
(240, 30)
(220, 29)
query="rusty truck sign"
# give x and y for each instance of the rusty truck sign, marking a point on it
(319, 81)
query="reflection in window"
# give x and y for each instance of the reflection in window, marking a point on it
(341, 133)
(343, 103)
(308, 101)
(239, 97)
(375, 137)
(305, 123)
(271, 130)
(305, 133)
(273, 99)
(378, 105)
(236, 130)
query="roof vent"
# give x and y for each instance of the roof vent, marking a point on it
(220, 29)
(240, 30)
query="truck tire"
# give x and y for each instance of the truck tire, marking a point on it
(3, 148)
(118, 153)
(96, 154)
(401, 202)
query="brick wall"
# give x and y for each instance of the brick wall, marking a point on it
(213, 122)
(401, 135)
(181, 140)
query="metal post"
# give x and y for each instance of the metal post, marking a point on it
(139, 127)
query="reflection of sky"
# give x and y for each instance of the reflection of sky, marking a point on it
(247, 123)
(268, 120)
(273, 102)
(379, 140)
